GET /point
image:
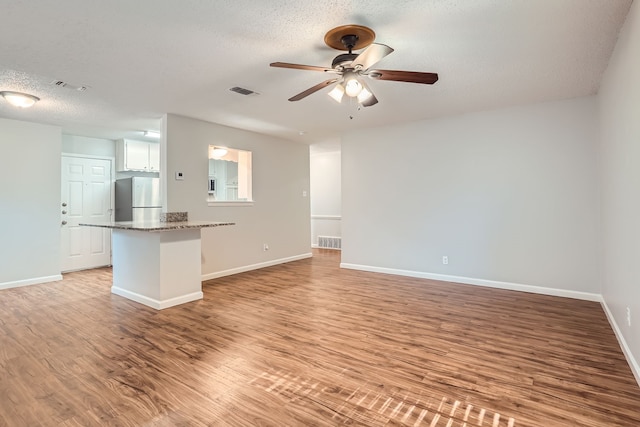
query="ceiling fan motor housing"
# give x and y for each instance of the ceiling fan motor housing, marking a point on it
(343, 59)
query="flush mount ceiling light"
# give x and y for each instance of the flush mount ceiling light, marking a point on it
(217, 152)
(152, 134)
(19, 99)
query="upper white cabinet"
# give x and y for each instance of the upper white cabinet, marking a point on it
(154, 156)
(134, 155)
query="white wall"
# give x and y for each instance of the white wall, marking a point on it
(620, 152)
(326, 194)
(510, 196)
(74, 144)
(279, 215)
(29, 203)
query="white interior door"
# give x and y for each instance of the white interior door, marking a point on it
(86, 197)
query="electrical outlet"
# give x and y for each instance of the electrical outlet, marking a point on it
(628, 316)
(445, 260)
(265, 247)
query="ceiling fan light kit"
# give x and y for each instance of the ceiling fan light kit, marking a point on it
(352, 87)
(364, 95)
(337, 92)
(352, 68)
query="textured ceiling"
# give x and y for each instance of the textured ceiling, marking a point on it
(141, 59)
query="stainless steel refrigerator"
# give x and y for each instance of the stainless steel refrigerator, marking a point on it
(138, 199)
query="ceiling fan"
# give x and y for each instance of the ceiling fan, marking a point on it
(351, 68)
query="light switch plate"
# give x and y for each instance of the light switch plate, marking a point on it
(179, 176)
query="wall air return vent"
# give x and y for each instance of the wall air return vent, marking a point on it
(329, 242)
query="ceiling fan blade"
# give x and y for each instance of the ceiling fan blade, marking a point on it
(372, 54)
(404, 76)
(302, 67)
(312, 89)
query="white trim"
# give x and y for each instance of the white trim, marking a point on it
(33, 281)
(154, 303)
(329, 217)
(89, 156)
(245, 268)
(481, 282)
(315, 246)
(633, 364)
(229, 203)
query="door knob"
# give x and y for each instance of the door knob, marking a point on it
(64, 204)
(64, 212)
(64, 222)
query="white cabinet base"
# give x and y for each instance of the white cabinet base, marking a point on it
(157, 269)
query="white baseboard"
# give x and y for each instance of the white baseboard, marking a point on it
(315, 246)
(245, 268)
(33, 281)
(481, 282)
(154, 303)
(633, 364)
(327, 217)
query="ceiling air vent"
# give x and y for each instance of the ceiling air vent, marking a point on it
(61, 83)
(243, 91)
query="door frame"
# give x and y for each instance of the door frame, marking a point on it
(112, 161)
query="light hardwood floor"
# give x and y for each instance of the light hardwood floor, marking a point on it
(305, 344)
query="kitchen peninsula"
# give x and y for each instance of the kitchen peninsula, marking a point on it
(157, 263)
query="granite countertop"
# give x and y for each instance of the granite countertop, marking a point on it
(157, 225)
